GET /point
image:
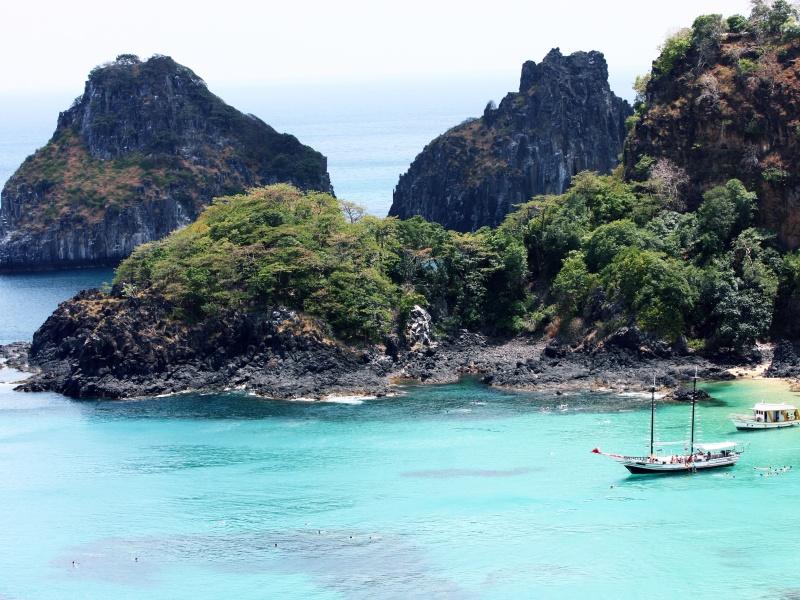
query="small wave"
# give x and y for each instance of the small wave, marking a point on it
(333, 399)
(347, 399)
(178, 393)
(639, 395)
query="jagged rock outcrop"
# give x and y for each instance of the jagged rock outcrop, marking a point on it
(100, 345)
(111, 346)
(564, 119)
(419, 329)
(728, 107)
(139, 154)
(785, 361)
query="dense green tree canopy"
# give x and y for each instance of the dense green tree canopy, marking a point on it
(606, 251)
(279, 246)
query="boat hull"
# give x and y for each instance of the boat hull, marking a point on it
(751, 425)
(647, 468)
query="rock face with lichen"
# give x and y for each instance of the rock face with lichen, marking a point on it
(139, 154)
(727, 107)
(564, 119)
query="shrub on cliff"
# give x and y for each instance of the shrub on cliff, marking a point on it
(674, 49)
(736, 23)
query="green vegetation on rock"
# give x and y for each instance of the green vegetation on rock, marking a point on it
(277, 246)
(599, 256)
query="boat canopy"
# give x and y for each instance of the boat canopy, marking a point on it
(766, 407)
(715, 446)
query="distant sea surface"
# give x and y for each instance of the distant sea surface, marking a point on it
(369, 132)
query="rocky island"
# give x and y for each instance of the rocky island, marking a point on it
(139, 154)
(288, 292)
(276, 293)
(565, 119)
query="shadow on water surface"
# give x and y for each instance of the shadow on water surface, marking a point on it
(359, 564)
(466, 400)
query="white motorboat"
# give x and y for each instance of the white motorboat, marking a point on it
(768, 416)
(697, 458)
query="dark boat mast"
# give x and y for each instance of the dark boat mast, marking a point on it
(652, 413)
(694, 397)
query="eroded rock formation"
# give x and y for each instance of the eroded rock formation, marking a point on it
(139, 154)
(564, 119)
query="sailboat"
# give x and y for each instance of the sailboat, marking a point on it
(699, 457)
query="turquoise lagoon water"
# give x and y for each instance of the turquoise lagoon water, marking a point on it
(451, 491)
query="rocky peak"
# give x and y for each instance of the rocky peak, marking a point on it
(140, 153)
(133, 106)
(556, 67)
(563, 120)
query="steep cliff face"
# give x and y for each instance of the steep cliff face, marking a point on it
(563, 120)
(139, 154)
(726, 106)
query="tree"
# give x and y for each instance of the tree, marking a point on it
(725, 211)
(787, 304)
(707, 33)
(673, 50)
(668, 181)
(573, 285)
(358, 305)
(790, 30)
(736, 23)
(553, 232)
(640, 87)
(744, 315)
(654, 290)
(672, 232)
(352, 211)
(605, 242)
(738, 292)
(606, 196)
(769, 17)
(127, 59)
(780, 12)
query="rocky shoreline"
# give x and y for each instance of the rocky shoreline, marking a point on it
(98, 346)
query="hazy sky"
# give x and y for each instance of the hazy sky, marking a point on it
(52, 45)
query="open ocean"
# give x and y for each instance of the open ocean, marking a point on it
(454, 491)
